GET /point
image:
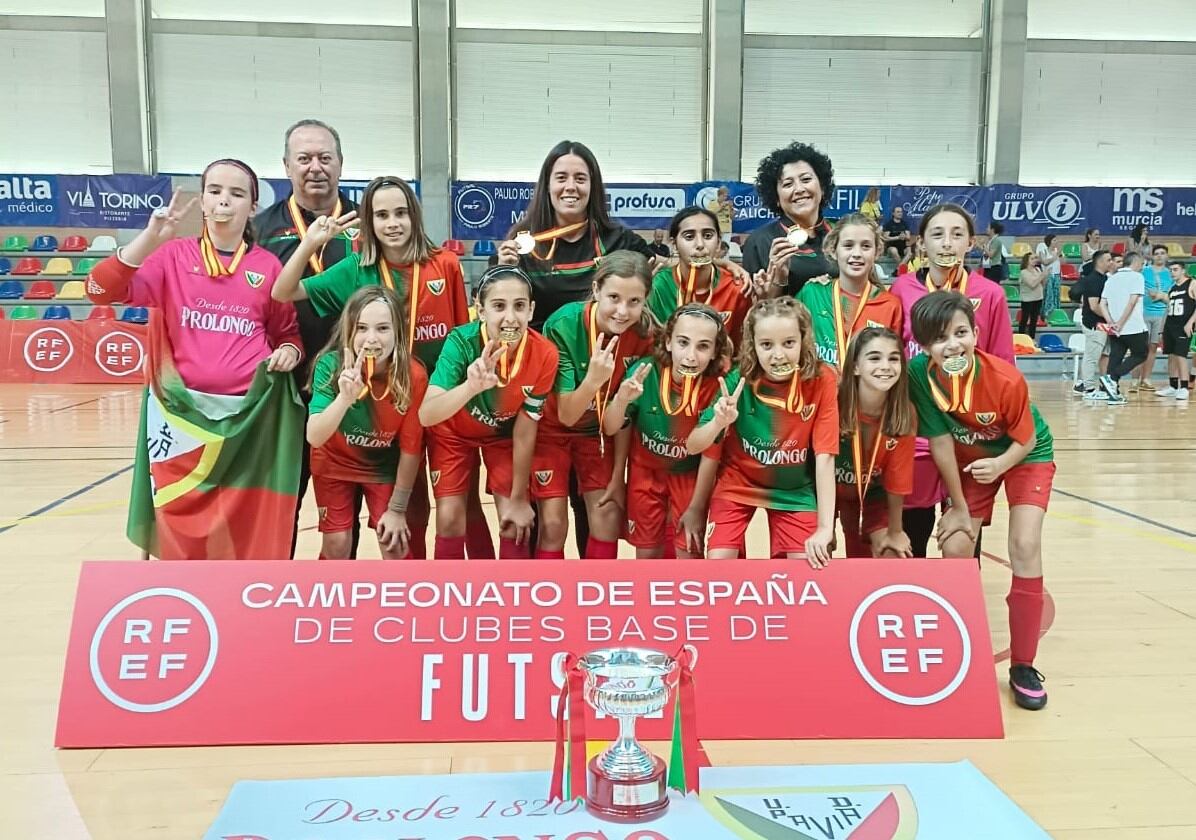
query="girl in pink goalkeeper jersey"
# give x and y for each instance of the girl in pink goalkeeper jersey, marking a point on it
(947, 232)
(213, 291)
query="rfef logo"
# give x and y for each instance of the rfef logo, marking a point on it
(153, 650)
(910, 645)
(48, 349)
(119, 353)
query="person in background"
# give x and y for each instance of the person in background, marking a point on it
(897, 236)
(1090, 289)
(658, 246)
(1177, 332)
(1051, 260)
(1139, 241)
(724, 209)
(997, 252)
(1088, 248)
(870, 206)
(1122, 302)
(1031, 284)
(1154, 310)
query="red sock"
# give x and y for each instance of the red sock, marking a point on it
(597, 549)
(547, 554)
(1025, 619)
(321, 556)
(478, 540)
(450, 548)
(417, 544)
(511, 550)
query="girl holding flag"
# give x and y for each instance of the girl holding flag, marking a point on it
(209, 399)
(697, 277)
(843, 307)
(363, 426)
(874, 470)
(395, 252)
(770, 431)
(486, 397)
(661, 398)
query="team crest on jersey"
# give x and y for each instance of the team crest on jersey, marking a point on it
(808, 411)
(436, 286)
(872, 323)
(630, 526)
(986, 417)
(890, 444)
(543, 476)
(322, 513)
(352, 233)
(435, 476)
(726, 316)
(975, 302)
(709, 530)
(254, 279)
(527, 390)
(94, 288)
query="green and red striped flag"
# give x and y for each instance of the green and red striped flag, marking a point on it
(216, 477)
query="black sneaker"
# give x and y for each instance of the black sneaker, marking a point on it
(1078, 389)
(1026, 683)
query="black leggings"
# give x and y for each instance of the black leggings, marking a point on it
(1126, 352)
(918, 524)
(1027, 321)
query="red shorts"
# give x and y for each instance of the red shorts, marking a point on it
(788, 530)
(855, 535)
(651, 496)
(557, 455)
(1025, 484)
(334, 502)
(453, 461)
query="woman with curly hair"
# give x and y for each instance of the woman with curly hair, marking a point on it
(796, 183)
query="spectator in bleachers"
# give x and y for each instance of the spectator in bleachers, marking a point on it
(1154, 309)
(1031, 282)
(1088, 247)
(1051, 259)
(1122, 302)
(658, 246)
(870, 206)
(1139, 241)
(1090, 288)
(997, 252)
(897, 236)
(724, 209)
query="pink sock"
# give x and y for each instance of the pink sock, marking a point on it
(511, 550)
(450, 548)
(546, 554)
(1025, 619)
(597, 549)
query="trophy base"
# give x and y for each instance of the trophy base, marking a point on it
(627, 800)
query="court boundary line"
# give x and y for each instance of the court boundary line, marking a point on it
(1115, 509)
(72, 495)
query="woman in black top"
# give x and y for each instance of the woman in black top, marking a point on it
(565, 231)
(796, 183)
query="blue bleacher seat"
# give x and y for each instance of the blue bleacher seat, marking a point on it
(45, 242)
(135, 315)
(484, 248)
(12, 290)
(56, 313)
(5, 265)
(1049, 343)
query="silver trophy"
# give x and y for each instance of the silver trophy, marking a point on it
(626, 782)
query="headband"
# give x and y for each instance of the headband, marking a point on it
(497, 272)
(244, 167)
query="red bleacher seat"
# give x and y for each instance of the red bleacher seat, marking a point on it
(1118, 249)
(101, 313)
(1069, 271)
(454, 246)
(28, 265)
(40, 290)
(73, 243)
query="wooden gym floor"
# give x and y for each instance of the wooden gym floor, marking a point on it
(1113, 755)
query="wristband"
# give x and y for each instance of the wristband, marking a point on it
(398, 501)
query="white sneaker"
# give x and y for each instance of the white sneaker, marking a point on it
(1096, 395)
(1182, 394)
(1165, 392)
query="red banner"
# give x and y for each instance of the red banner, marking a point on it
(72, 352)
(333, 652)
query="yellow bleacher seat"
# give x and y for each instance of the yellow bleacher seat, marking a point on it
(1175, 250)
(72, 290)
(58, 265)
(1024, 341)
(1020, 249)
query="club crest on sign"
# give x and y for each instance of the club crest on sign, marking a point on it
(543, 476)
(436, 286)
(435, 476)
(876, 812)
(254, 279)
(985, 418)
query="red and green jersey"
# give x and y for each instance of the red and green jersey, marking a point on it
(526, 374)
(661, 420)
(984, 411)
(880, 309)
(573, 329)
(670, 291)
(768, 453)
(892, 471)
(439, 295)
(365, 447)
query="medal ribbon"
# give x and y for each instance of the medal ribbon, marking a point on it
(685, 292)
(504, 375)
(690, 386)
(211, 258)
(555, 234)
(863, 480)
(957, 280)
(570, 782)
(603, 395)
(958, 401)
(687, 756)
(316, 261)
(843, 330)
(369, 382)
(412, 305)
(793, 403)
